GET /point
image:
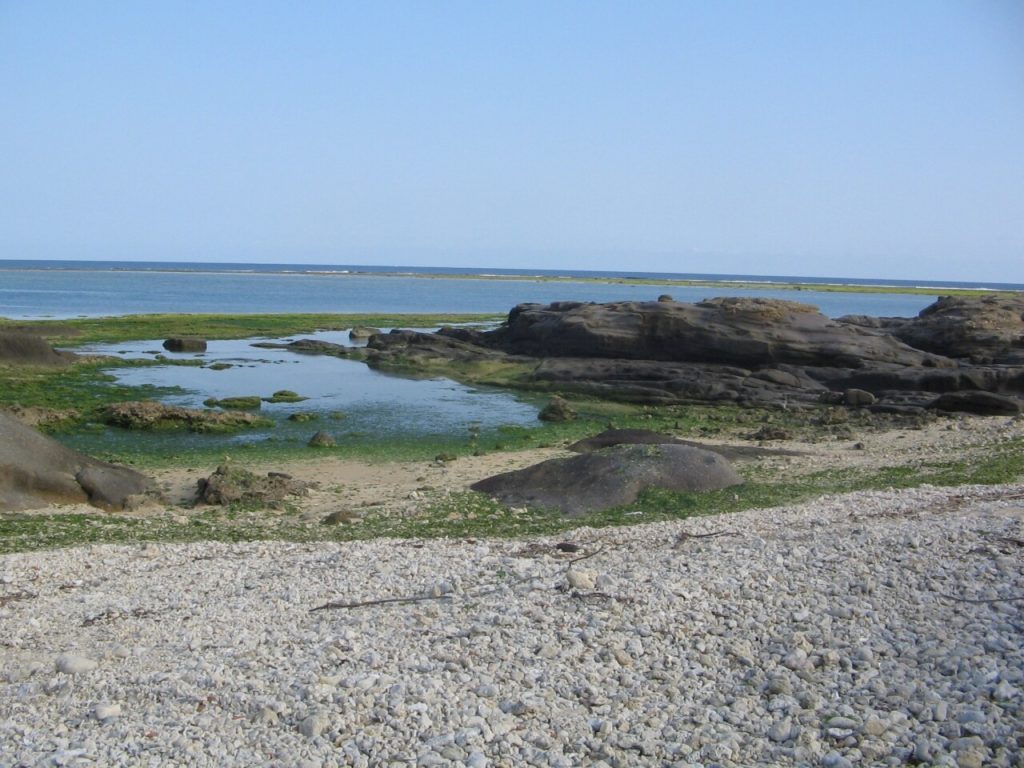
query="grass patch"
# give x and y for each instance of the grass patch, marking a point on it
(470, 515)
(213, 326)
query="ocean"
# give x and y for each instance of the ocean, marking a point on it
(66, 289)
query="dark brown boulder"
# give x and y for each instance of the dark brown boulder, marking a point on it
(29, 349)
(36, 470)
(185, 344)
(609, 478)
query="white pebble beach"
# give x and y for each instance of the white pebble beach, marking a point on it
(875, 628)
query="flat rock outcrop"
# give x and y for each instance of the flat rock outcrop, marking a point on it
(610, 478)
(36, 470)
(308, 346)
(149, 414)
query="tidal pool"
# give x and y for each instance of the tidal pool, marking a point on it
(349, 400)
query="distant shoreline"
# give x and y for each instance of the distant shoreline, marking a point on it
(682, 280)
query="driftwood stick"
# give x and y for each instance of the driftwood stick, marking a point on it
(981, 601)
(10, 598)
(684, 536)
(340, 604)
(597, 551)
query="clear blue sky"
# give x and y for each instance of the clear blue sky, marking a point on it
(863, 139)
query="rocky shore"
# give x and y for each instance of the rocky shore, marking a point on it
(877, 628)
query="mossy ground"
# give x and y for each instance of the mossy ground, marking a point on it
(466, 514)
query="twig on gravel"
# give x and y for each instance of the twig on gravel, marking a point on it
(14, 596)
(115, 615)
(684, 536)
(603, 595)
(980, 601)
(381, 601)
(597, 551)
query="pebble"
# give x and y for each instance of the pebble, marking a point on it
(106, 711)
(73, 664)
(810, 636)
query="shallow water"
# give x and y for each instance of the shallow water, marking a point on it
(354, 403)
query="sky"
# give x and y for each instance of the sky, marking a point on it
(871, 139)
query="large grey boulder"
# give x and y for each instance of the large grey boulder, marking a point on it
(610, 478)
(36, 470)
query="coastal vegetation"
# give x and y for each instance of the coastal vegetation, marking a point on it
(92, 330)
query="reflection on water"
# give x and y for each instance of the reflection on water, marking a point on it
(350, 400)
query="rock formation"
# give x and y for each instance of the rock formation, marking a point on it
(745, 351)
(36, 471)
(234, 485)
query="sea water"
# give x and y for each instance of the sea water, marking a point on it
(33, 290)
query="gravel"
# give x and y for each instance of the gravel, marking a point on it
(874, 628)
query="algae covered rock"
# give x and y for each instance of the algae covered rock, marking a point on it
(149, 414)
(322, 440)
(241, 402)
(285, 396)
(558, 409)
(235, 485)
